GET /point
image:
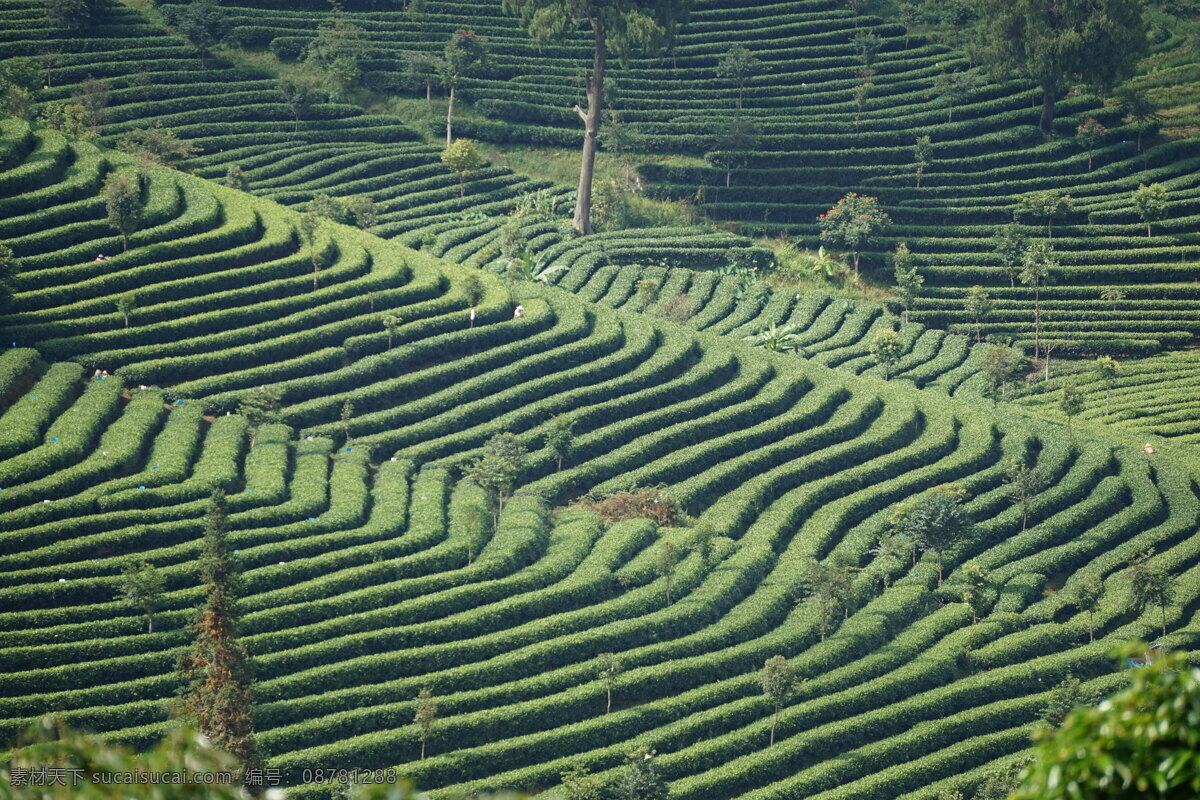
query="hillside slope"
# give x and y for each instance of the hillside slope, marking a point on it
(369, 577)
(812, 145)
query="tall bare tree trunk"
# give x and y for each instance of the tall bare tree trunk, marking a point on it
(1047, 121)
(591, 123)
(450, 116)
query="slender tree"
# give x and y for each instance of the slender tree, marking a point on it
(311, 222)
(346, 415)
(300, 93)
(427, 707)
(1150, 585)
(909, 280)
(1138, 110)
(1107, 370)
(977, 582)
(886, 348)
(819, 583)
(1000, 366)
(737, 66)
(938, 521)
(390, 323)
(1048, 205)
(1064, 699)
(142, 586)
(579, 784)
(979, 306)
(235, 178)
(1010, 244)
(922, 156)
(93, 97)
(126, 303)
(666, 560)
(462, 158)
(261, 406)
(1024, 484)
(560, 438)
(1037, 264)
(734, 139)
(624, 26)
(1086, 591)
(122, 194)
(464, 54)
(218, 686)
(1088, 136)
(779, 682)
(1112, 295)
(1151, 203)
(498, 469)
(607, 669)
(1071, 403)
(51, 59)
(953, 89)
(640, 779)
(9, 266)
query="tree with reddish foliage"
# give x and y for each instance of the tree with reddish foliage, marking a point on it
(218, 694)
(853, 224)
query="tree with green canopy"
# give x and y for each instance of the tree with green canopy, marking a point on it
(737, 66)
(1088, 136)
(607, 669)
(300, 93)
(853, 223)
(953, 88)
(142, 585)
(560, 438)
(464, 54)
(1037, 264)
(979, 306)
(1150, 584)
(622, 26)
(126, 303)
(122, 193)
(1071, 403)
(1151, 203)
(8, 271)
(427, 707)
(202, 22)
(497, 470)
(1009, 243)
(922, 156)
(1107, 370)
(462, 158)
(1047, 204)
(1142, 742)
(886, 348)
(1024, 484)
(1085, 591)
(938, 521)
(1057, 44)
(909, 279)
(779, 682)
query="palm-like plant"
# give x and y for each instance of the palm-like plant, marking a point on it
(777, 339)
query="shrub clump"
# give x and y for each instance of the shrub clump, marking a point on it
(650, 503)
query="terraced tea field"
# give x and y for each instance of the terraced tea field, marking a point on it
(367, 578)
(371, 570)
(811, 144)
